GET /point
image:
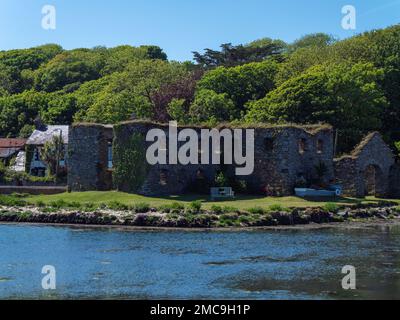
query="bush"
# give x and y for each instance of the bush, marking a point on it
(175, 207)
(40, 204)
(11, 201)
(89, 206)
(58, 204)
(217, 209)
(257, 210)
(331, 207)
(278, 208)
(115, 205)
(141, 207)
(195, 206)
(74, 205)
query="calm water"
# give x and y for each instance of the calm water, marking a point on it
(109, 263)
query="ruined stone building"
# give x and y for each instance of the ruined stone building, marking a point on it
(103, 157)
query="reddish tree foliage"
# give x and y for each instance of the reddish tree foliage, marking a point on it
(184, 88)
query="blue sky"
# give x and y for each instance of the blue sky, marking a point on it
(182, 26)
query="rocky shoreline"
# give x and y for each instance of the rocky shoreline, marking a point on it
(200, 220)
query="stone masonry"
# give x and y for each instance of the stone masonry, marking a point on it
(283, 156)
(371, 162)
(88, 157)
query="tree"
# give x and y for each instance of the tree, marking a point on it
(135, 92)
(177, 110)
(69, 68)
(20, 109)
(183, 89)
(231, 55)
(241, 84)
(52, 153)
(345, 96)
(318, 40)
(212, 107)
(26, 131)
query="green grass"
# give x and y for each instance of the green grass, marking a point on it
(241, 202)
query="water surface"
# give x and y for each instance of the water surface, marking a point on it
(115, 263)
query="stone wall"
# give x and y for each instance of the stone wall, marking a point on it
(351, 170)
(163, 179)
(88, 160)
(278, 161)
(395, 181)
(278, 168)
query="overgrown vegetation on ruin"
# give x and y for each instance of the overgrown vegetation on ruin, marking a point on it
(130, 166)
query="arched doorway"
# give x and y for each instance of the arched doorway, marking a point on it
(374, 184)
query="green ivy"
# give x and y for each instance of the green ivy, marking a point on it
(130, 166)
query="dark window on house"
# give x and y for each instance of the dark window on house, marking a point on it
(302, 146)
(269, 144)
(164, 177)
(320, 146)
(109, 155)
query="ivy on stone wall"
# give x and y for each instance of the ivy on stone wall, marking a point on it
(130, 166)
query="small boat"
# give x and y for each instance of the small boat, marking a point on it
(332, 191)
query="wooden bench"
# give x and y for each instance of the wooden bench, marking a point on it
(222, 193)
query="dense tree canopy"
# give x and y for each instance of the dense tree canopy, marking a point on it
(353, 84)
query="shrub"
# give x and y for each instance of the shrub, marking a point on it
(257, 210)
(89, 206)
(74, 205)
(217, 209)
(11, 201)
(278, 208)
(58, 204)
(195, 206)
(40, 204)
(331, 207)
(115, 205)
(175, 207)
(142, 207)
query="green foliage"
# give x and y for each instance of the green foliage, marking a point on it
(278, 208)
(175, 207)
(397, 145)
(26, 131)
(240, 84)
(257, 210)
(346, 96)
(142, 207)
(176, 110)
(52, 153)
(12, 201)
(221, 180)
(129, 161)
(331, 207)
(195, 206)
(115, 205)
(211, 106)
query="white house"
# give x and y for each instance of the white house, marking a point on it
(36, 142)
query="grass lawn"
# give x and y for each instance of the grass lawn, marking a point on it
(241, 202)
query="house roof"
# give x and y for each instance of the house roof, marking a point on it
(12, 143)
(39, 137)
(8, 152)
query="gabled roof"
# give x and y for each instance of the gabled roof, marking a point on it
(12, 143)
(39, 137)
(364, 142)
